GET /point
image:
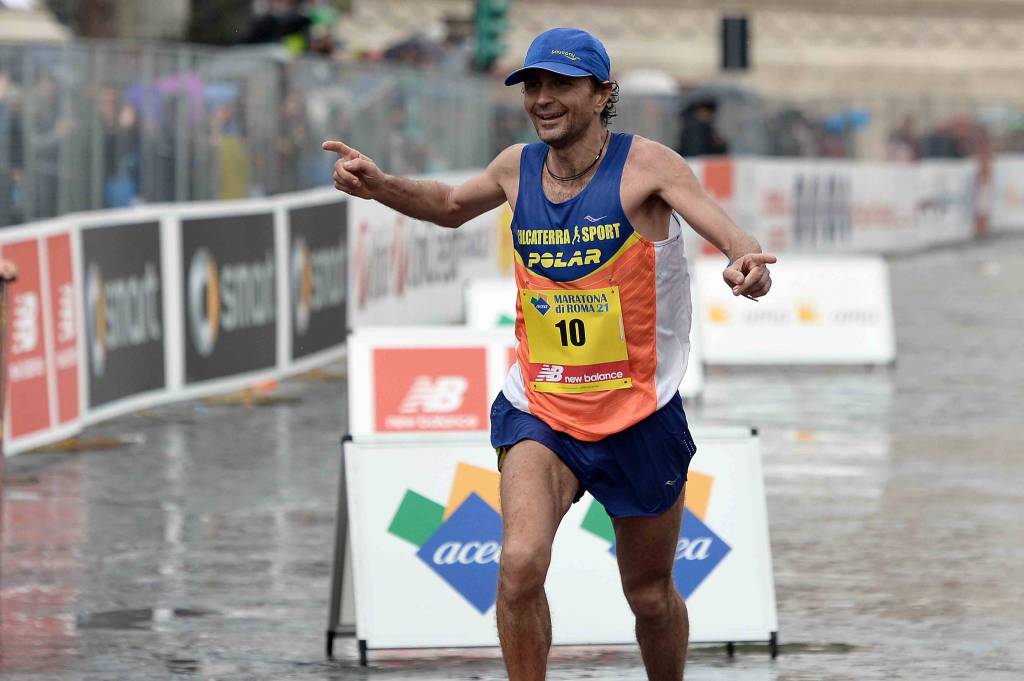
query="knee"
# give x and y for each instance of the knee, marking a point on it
(523, 570)
(651, 600)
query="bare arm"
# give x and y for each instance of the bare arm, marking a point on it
(676, 185)
(437, 202)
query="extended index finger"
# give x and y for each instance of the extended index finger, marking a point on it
(339, 148)
(762, 258)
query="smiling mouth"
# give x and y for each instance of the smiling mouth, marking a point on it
(550, 117)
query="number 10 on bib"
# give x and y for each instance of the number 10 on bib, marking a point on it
(577, 343)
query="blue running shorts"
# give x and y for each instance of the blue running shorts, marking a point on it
(639, 471)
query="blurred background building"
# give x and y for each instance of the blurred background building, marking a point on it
(108, 103)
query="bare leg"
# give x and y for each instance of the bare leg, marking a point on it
(646, 549)
(536, 491)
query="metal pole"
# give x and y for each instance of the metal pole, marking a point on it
(3, 392)
(340, 542)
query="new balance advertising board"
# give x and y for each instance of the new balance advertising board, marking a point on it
(426, 530)
(122, 299)
(229, 295)
(424, 378)
(317, 276)
(28, 371)
(63, 326)
(821, 310)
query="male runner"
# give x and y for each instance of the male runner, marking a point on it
(602, 330)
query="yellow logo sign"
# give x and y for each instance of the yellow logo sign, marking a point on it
(807, 313)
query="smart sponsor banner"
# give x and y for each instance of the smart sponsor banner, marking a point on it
(411, 272)
(228, 284)
(426, 529)
(821, 310)
(317, 272)
(1007, 208)
(122, 300)
(490, 304)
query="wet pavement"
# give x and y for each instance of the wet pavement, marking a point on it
(201, 548)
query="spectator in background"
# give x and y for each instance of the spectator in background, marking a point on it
(8, 270)
(903, 144)
(232, 155)
(292, 144)
(699, 137)
(11, 162)
(119, 123)
(52, 124)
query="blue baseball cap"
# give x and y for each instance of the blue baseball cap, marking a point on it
(566, 51)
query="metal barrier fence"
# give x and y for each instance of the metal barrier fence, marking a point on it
(93, 125)
(90, 125)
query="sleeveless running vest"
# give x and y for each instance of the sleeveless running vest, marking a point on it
(603, 315)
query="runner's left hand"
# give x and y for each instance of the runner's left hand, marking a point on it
(748, 275)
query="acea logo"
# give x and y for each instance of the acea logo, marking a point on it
(317, 280)
(540, 303)
(121, 312)
(699, 549)
(230, 297)
(461, 541)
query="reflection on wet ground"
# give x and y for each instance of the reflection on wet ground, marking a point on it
(201, 547)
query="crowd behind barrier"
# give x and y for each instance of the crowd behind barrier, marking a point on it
(93, 125)
(116, 310)
(90, 125)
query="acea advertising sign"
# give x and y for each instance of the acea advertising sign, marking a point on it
(123, 305)
(229, 295)
(316, 277)
(426, 523)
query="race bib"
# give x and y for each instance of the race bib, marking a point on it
(576, 339)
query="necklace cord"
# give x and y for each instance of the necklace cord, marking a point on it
(569, 178)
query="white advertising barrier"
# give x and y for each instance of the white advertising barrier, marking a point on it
(1007, 210)
(406, 271)
(491, 304)
(426, 541)
(794, 205)
(821, 310)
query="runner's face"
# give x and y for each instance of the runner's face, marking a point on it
(561, 108)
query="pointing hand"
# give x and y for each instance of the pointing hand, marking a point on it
(748, 275)
(354, 173)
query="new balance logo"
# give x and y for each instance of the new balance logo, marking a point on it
(550, 373)
(438, 395)
(24, 330)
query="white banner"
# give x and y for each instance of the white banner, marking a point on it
(491, 304)
(810, 205)
(1007, 213)
(821, 310)
(426, 530)
(406, 271)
